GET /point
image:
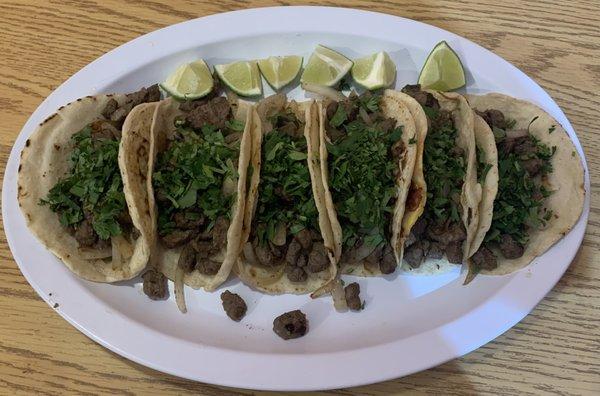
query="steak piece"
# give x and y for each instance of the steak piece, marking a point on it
(85, 234)
(317, 259)
(215, 112)
(295, 274)
(104, 130)
(352, 294)
(304, 237)
(446, 234)
(176, 238)
(234, 306)
(484, 258)
(414, 254)
(510, 248)
(110, 108)
(265, 256)
(291, 325)
(293, 252)
(533, 166)
(187, 259)
(494, 118)
(207, 266)
(387, 265)
(155, 284)
(188, 220)
(454, 252)
(219, 233)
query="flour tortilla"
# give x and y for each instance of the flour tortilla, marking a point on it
(45, 160)
(166, 259)
(566, 181)
(274, 281)
(392, 107)
(484, 139)
(471, 191)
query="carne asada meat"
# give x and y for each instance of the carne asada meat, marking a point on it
(176, 238)
(110, 108)
(219, 233)
(85, 234)
(293, 252)
(510, 248)
(291, 325)
(305, 238)
(234, 306)
(414, 254)
(155, 284)
(493, 118)
(484, 259)
(454, 252)
(352, 294)
(317, 259)
(295, 273)
(207, 266)
(187, 259)
(387, 265)
(214, 112)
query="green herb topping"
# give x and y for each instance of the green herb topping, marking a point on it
(362, 169)
(285, 193)
(444, 169)
(519, 203)
(93, 185)
(192, 171)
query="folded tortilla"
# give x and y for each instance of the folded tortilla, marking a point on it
(274, 280)
(393, 106)
(566, 181)
(166, 259)
(46, 159)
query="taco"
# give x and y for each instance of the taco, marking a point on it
(540, 188)
(368, 147)
(70, 186)
(198, 164)
(290, 246)
(443, 233)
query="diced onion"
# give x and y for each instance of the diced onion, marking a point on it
(179, 292)
(326, 92)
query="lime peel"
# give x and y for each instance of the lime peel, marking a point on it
(443, 70)
(189, 81)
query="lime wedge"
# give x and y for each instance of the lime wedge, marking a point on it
(241, 77)
(325, 67)
(374, 71)
(442, 70)
(279, 71)
(190, 81)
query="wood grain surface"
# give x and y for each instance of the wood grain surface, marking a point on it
(556, 349)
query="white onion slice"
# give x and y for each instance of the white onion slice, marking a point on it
(326, 92)
(179, 292)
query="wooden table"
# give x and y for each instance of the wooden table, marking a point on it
(554, 349)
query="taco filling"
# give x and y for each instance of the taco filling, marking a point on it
(439, 231)
(89, 199)
(285, 230)
(524, 164)
(195, 180)
(364, 149)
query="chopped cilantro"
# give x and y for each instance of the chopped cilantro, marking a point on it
(412, 140)
(339, 117)
(285, 191)
(190, 174)
(552, 129)
(361, 175)
(93, 185)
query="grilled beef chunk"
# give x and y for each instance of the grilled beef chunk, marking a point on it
(415, 253)
(214, 112)
(119, 115)
(219, 233)
(420, 227)
(454, 252)
(155, 284)
(387, 265)
(484, 259)
(85, 234)
(510, 248)
(317, 259)
(291, 325)
(494, 118)
(187, 258)
(234, 306)
(352, 293)
(176, 238)
(110, 108)
(525, 146)
(295, 274)
(203, 249)
(304, 237)
(424, 98)
(533, 166)
(265, 256)
(436, 251)
(293, 252)
(104, 130)
(331, 109)
(207, 267)
(188, 220)
(445, 234)
(302, 261)
(144, 95)
(373, 259)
